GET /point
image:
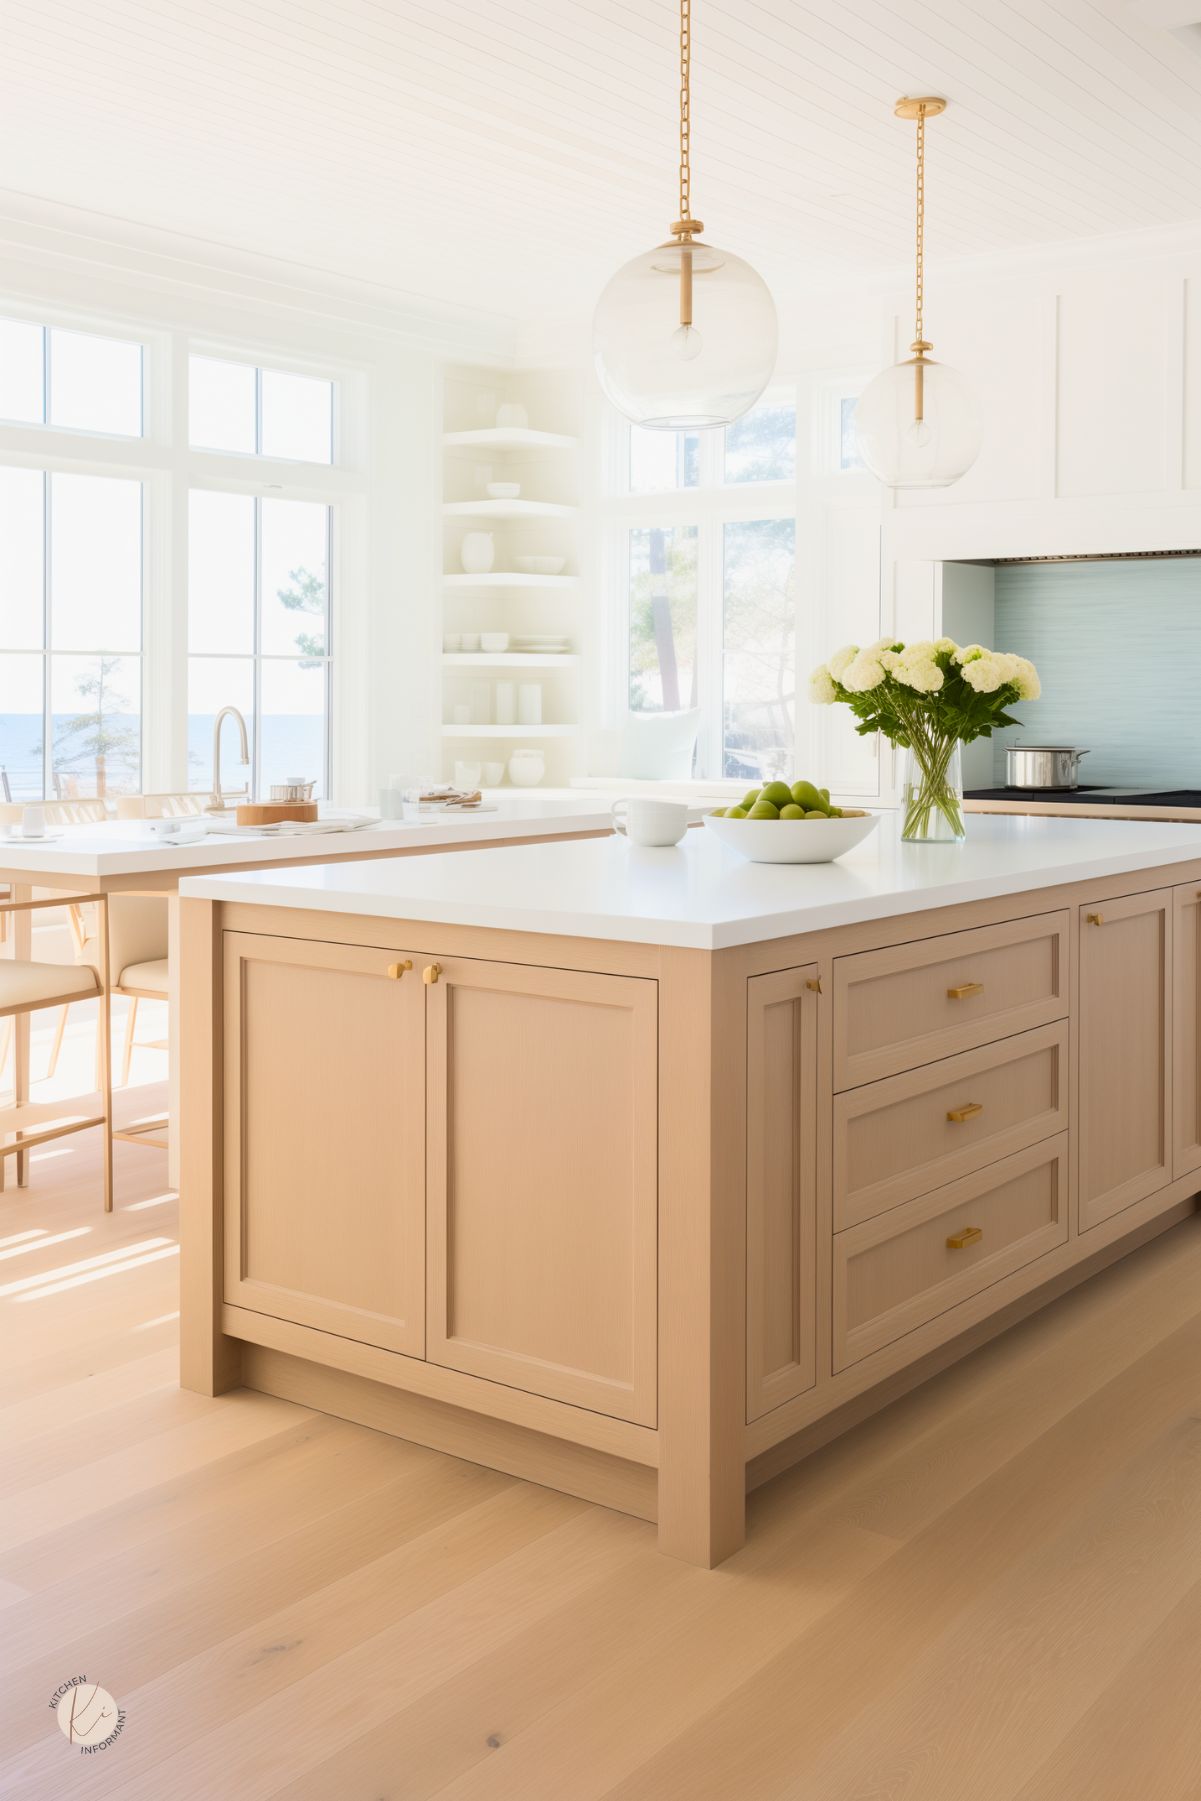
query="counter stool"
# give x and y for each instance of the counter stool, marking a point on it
(27, 986)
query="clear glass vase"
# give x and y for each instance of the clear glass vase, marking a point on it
(932, 793)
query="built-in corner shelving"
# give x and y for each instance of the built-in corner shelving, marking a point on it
(534, 444)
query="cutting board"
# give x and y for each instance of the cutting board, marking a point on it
(272, 812)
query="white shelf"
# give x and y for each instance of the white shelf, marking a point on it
(508, 437)
(507, 509)
(510, 578)
(509, 731)
(509, 659)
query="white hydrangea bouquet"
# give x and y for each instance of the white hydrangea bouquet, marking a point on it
(929, 698)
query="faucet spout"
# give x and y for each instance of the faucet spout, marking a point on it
(216, 804)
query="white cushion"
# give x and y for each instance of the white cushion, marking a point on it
(150, 977)
(658, 747)
(29, 985)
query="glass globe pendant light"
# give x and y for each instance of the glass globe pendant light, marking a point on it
(685, 336)
(917, 423)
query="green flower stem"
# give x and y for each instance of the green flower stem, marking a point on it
(932, 752)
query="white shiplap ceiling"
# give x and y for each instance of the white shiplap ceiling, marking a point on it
(506, 155)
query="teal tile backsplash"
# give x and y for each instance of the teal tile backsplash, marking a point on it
(1118, 647)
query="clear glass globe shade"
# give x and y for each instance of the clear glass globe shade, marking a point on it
(677, 377)
(907, 451)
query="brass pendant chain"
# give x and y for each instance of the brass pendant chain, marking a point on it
(920, 266)
(686, 227)
(685, 107)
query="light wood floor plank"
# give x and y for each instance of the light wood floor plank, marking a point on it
(990, 1592)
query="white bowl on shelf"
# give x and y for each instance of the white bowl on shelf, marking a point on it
(792, 840)
(540, 565)
(503, 490)
(494, 641)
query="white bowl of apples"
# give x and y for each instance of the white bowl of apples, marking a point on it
(793, 822)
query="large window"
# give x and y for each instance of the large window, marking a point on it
(248, 411)
(71, 661)
(75, 380)
(98, 642)
(706, 551)
(258, 632)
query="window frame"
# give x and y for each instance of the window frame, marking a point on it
(709, 506)
(168, 467)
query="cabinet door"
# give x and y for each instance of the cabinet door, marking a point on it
(781, 1187)
(1125, 1034)
(542, 1181)
(324, 1138)
(1186, 1029)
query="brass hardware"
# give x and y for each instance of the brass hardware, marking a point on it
(959, 1114)
(396, 970)
(965, 991)
(1095, 919)
(431, 972)
(813, 984)
(970, 1235)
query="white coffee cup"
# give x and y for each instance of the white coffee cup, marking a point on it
(33, 821)
(493, 774)
(660, 822)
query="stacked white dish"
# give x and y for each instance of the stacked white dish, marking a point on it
(544, 644)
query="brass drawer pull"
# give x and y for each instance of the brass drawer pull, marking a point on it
(965, 991)
(431, 972)
(970, 1235)
(396, 970)
(968, 1111)
(1095, 919)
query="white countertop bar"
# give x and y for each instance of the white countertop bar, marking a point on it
(127, 847)
(701, 894)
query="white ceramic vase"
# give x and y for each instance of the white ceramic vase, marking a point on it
(477, 553)
(526, 768)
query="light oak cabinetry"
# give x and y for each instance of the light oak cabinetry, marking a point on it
(896, 1272)
(542, 1098)
(1186, 1029)
(781, 1187)
(464, 1143)
(895, 1139)
(1125, 1052)
(648, 1222)
(324, 1063)
(909, 1004)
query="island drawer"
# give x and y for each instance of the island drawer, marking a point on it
(899, 1138)
(896, 1272)
(911, 1004)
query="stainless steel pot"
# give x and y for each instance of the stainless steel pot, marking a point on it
(1042, 765)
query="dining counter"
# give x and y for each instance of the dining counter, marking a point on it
(117, 857)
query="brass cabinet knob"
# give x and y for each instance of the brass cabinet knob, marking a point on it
(431, 972)
(396, 970)
(968, 1111)
(813, 984)
(970, 1235)
(1095, 919)
(965, 991)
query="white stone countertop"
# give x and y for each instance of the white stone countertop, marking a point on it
(127, 847)
(701, 894)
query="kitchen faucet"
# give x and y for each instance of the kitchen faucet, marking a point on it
(216, 805)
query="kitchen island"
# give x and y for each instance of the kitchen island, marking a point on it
(642, 1172)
